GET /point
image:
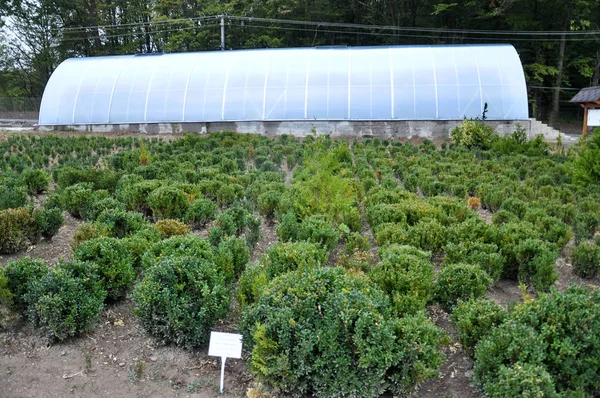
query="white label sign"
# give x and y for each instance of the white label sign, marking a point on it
(227, 345)
(594, 117)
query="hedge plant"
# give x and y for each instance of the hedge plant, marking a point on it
(323, 332)
(460, 282)
(180, 299)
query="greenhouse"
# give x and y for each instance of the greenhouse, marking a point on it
(396, 83)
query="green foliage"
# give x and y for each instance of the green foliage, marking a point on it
(288, 228)
(78, 198)
(178, 246)
(169, 228)
(48, 222)
(322, 332)
(200, 212)
(553, 333)
(460, 282)
(268, 202)
(114, 264)
(290, 256)
(485, 255)
(168, 202)
(12, 197)
(472, 134)
(355, 241)
(99, 178)
(36, 180)
(180, 299)
(6, 301)
(405, 274)
(67, 300)
(475, 319)
(251, 284)
(522, 380)
(316, 229)
(120, 223)
(20, 274)
(231, 257)
(586, 260)
(16, 230)
(100, 205)
(586, 169)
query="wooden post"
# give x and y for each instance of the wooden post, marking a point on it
(585, 121)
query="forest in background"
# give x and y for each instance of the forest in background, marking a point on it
(558, 40)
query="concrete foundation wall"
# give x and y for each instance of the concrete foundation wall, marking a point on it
(381, 129)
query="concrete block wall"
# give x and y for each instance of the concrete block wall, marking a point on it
(431, 129)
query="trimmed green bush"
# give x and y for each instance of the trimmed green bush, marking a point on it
(36, 180)
(231, 257)
(169, 228)
(6, 301)
(251, 284)
(78, 198)
(17, 230)
(180, 299)
(486, 255)
(291, 256)
(100, 205)
(200, 212)
(316, 229)
(521, 380)
(554, 332)
(168, 202)
(48, 222)
(460, 282)
(12, 197)
(268, 202)
(20, 274)
(475, 319)
(405, 274)
(114, 264)
(586, 260)
(178, 246)
(120, 223)
(355, 241)
(323, 332)
(67, 300)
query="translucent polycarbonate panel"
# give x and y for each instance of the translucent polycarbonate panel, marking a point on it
(338, 83)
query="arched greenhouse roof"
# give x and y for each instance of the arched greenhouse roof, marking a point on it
(332, 83)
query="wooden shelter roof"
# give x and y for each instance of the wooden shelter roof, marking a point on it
(587, 95)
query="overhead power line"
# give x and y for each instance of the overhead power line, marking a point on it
(533, 35)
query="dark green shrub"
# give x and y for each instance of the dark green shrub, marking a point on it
(268, 202)
(536, 259)
(555, 331)
(584, 225)
(114, 264)
(251, 284)
(169, 228)
(427, 234)
(98, 206)
(20, 274)
(78, 198)
(356, 242)
(66, 301)
(485, 255)
(405, 274)
(290, 256)
(585, 167)
(475, 319)
(135, 193)
(87, 231)
(180, 299)
(120, 223)
(521, 380)
(6, 302)
(323, 332)
(460, 282)
(178, 246)
(316, 229)
(227, 194)
(12, 197)
(357, 261)
(231, 257)
(48, 222)
(200, 212)
(586, 260)
(16, 230)
(288, 228)
(168, 202)
(36, 180)
(100, 178)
